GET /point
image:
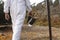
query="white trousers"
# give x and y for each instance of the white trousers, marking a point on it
(17, 23)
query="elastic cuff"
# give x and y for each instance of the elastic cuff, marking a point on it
(6, 11)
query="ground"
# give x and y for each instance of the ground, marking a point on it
(33, 33)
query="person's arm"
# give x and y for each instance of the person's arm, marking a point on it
(6, 9)
(6, 6)
(28, 5)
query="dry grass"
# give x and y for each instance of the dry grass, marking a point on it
(34, 33)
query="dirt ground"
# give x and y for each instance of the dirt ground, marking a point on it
(33, 33)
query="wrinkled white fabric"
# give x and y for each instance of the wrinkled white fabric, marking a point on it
(17, 12)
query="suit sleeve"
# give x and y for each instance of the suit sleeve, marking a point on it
(28, 5)
(6, 6)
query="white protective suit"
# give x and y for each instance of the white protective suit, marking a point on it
(17, 11)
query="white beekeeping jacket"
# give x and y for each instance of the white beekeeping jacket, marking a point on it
(15, 5)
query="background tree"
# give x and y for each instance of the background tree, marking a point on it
(56, 2)
(51, 3)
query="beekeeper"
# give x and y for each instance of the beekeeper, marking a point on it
(17, 11)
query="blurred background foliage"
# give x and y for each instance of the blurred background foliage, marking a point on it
(40, 10)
